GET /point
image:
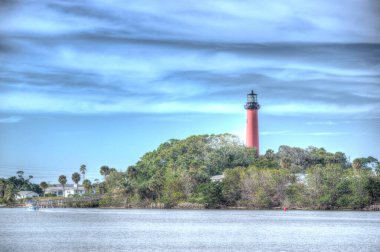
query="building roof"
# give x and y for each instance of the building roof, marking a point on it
(217, 177)
(24, 193)
(67, 187)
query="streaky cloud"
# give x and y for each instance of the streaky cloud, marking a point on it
(11, 119)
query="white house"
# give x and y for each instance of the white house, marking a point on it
(301, 178)
(26, 195)
(70, 189)
(74, 191)
(217, 178)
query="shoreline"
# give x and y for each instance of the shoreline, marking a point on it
(373, 208)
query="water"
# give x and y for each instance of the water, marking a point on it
(187, 230)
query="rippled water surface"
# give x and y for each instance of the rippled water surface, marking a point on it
(187, 230)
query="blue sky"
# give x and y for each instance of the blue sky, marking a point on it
(103, 82)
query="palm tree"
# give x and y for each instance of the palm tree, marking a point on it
(87, 185)
(357, 164)
(76, 178)
(269, 154)
(83, 170)
(62, 180)
(43, 186)
(3, 184)
(104, 171)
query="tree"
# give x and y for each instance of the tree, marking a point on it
(367, 163)
(340, 158)
(232, 185)
(22, 184)
(83, 170)
(87, 185)
(104, 171)
(43, 186)
(377, 169)
(62, 180)
(357, 164)
(179, 171)
(7, 191)
(76, 178)
(213, 195)
(20, 174)
(269, 154)
(285, 163)
(3, 183)
(323, 185)
(116, 187)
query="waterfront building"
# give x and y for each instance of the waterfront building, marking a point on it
(26, 195)
(69, 190)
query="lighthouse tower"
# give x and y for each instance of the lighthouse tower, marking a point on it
(252, 107)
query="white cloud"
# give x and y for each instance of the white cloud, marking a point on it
(29, 102)
(330, 123)
(243, 21)
(317, 133)
(317, 108)
(265, 133)
(11, 119)
(325, 133)
(21, 101)
(321, 123)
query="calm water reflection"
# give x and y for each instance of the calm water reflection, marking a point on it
(187, 230)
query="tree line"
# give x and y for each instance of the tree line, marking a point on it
(179, 172)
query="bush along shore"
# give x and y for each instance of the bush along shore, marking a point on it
(180, 174)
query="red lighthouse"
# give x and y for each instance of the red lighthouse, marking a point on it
(252, 107)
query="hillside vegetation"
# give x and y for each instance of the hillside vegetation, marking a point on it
(178, 172)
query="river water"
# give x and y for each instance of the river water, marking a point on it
(187, 230)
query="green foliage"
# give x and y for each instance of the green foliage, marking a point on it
(83, 170)
(62, 180)
(50, 195)
(174, 172)
(267, 163)
(43, 186)
(75, 177)
(333, 187)
(373, 188)
(7, 191)
(20, 183)
(174, 190)
(213, 194)
(87, 185)
(296, 196)
(11, 186)
(178, 173)
(99, 187)
(116, 182)
(322, 184)
(299, 160)
(264, 187)
(104, 171)
(365, 163)
(232, 185)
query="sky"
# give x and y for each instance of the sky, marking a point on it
(103, 82)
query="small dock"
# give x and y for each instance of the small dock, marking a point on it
(89, 201)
